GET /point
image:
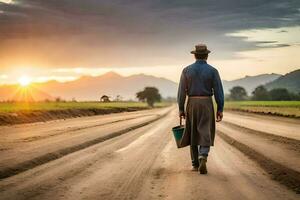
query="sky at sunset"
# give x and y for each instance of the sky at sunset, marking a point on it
(64, 39)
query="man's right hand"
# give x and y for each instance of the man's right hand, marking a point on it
(182, 114)
(219, 116)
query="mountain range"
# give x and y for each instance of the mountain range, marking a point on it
(112, 84)
(290, 81)
(89, 88)
(250, 82)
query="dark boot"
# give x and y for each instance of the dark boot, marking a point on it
(202, 167)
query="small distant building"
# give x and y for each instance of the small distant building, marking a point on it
(105, 98)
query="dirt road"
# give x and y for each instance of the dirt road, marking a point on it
(141, 163)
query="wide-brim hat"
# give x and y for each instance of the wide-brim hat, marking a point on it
(200, 49)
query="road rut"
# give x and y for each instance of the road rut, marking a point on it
(145, 164)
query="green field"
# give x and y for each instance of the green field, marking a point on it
(281, 108)
(46, 106)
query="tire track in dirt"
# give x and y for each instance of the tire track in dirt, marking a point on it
(145, 164)
(36, 138)
(24, 166)
(284, 175)
(293, 144)
(122, 177)
(130, 188)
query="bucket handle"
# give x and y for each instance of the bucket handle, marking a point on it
(180, 120)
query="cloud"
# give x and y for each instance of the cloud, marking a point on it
(266, 42)
(282, 45)
(5, 1)
(282, 31)
(134, 32)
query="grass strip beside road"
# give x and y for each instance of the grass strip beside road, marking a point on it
(276, 108)
(50, 106)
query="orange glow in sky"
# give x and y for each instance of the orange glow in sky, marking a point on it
(46, 43)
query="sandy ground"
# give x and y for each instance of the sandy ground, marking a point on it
(278, 151)
(281, 126)
(141, 164)
(23, 147)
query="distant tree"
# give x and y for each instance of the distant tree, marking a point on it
(58, 99)
(150, 95)
(280, 94)
(238, 93)
(260, 94)
(297, 97)
(118, 98)
(105, 98)
(294, 97)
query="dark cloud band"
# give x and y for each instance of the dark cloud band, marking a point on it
(135, 28)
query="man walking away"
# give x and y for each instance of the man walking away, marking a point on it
(199, 81)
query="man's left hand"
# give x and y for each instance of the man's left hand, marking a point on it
(219, 116)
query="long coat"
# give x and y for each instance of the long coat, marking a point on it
(200, 122)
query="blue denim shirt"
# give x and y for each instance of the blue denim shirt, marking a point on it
(200, 79)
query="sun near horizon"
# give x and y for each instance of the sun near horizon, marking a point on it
(24, 81)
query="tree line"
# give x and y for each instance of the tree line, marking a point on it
(260, 93)
(150, 95)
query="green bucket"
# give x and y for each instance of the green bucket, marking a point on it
(178, 133)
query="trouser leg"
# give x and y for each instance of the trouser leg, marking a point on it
(204, 150)
(194, 155)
